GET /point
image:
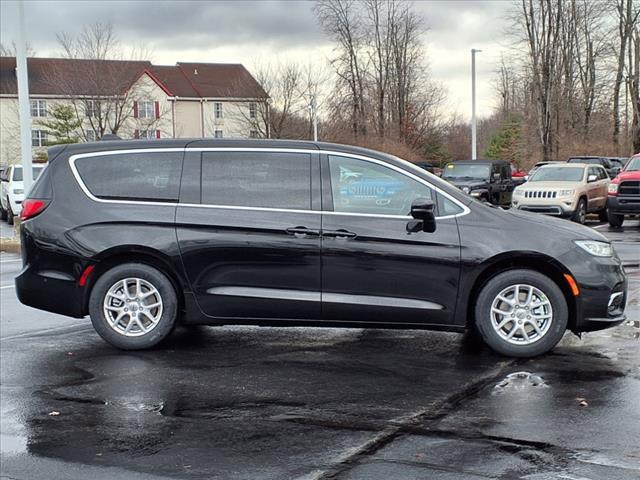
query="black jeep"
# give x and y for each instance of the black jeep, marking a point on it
(487, 180)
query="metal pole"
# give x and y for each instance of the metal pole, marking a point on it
(23, 102)
(474, 144)
(314, 116)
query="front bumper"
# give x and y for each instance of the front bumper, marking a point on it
(603, 295)
(624, 205)
(556, 210)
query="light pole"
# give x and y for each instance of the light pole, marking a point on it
(23, 102)
(474, 146)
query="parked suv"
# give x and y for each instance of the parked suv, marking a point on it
(487, 180)
(142, 235)
(624, 193)
(12, 190)
(612, 167)
(565, 190)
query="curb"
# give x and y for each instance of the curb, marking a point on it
(9, 245)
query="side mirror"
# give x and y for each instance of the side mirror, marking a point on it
(422, 210)
(592, 178)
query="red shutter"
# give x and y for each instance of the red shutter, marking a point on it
(136, 132)
(157, 110)
(135, 110)
(157, 133)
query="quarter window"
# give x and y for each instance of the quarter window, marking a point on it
(257, 179)
(360, 186)
(38, 108)
(150, 176)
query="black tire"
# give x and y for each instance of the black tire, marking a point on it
(616, 220)
(484, 320)
(580, 213)
(167, 294)
(603, 215)
(3, 213)
(9, 213)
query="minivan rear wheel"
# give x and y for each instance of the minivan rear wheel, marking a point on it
(521, 313)
(133, 306)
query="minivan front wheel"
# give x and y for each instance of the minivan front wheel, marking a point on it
(521, 313)
(133, 306)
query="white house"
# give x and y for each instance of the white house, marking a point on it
(131, 99)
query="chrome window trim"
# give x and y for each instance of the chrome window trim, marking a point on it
(76, 174)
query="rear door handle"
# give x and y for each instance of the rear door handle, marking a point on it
(341, 233)
(301, 231)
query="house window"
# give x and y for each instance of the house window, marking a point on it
(38, 108)
(253, 134)
(217, 106)
(148, 134)
(217, 134)
(253, 109)
(90, 135)
(146, 110)
(38, 138)
(91, 108)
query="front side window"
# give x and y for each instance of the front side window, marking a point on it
(38, 108)
(146, 110)
(360, 186)
(217, 107)
(38, 138)
(148, 176)
(17, 173)
(257, 179)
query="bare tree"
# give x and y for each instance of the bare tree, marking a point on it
(634, 87)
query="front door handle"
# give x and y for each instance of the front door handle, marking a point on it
(301, 231)
(340, 233)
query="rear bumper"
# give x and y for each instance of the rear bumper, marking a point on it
(50, 291)
(624, 205)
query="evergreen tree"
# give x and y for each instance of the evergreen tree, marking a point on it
(61, 125)
(504, 145)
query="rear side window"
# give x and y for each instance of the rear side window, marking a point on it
(146, 176)
(257, 179)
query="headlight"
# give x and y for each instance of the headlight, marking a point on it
(466, 189)
(613, 187)
(518, 193)
(18, 191)
(566, 193)
(595, 248)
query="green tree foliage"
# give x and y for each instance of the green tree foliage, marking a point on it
(505, 143)
(61, 125)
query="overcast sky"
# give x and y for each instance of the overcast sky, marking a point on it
(253, 31)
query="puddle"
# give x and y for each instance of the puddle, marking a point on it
(519, 381)
(138, 406)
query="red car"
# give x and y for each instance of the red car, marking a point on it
(624, 193)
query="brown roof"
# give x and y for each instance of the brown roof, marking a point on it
(62, 76)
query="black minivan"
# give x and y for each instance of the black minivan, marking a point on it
(144, 235)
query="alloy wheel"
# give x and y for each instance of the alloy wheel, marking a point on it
(132, 307)
(521, 314)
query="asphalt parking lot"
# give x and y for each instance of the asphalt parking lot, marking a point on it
(311, 403)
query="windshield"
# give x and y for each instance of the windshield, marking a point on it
(557, 174)
(590, 161)
(464, 171)
(17, 173)
(633, 165)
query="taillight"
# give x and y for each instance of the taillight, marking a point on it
(31, 208)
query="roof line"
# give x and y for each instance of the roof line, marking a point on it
(195, 89)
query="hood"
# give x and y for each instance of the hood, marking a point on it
(549, 185)
(565, 227)
(474, 182)
(632, 175)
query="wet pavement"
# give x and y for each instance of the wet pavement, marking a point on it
(312, 403)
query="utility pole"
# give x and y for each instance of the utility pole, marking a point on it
(23, 102)
(474, 143)
(314, 117)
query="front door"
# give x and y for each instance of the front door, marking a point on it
(250, 243)
(373, 270)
